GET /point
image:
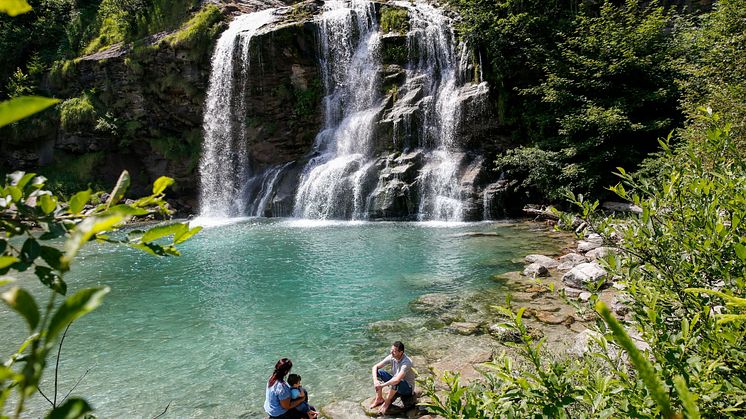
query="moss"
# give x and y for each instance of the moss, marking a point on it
(78, 113)
(394, 19)
(200, 29)
(395, 54)
(307, 101)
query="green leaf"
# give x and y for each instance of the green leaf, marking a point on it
(75, 306)
(6, 261)
(51, 279)
(72, 409)
(161, 184)
(19, 179)
(6, 280)
(653, 383)
(84, 231)
(47, 203)
(740, 251)
(78, 201)
(15, 193)
(119, 189)
(23, 303)
(150, 248)
(21, 107)
(127, 210)
(53, 230)
(155, 233)
(52, 256)
(186, 235)
(30, 250)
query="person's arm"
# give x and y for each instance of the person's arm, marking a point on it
(289, 403)
(378, 366)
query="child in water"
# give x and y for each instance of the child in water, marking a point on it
(295, 392)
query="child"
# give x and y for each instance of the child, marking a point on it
(295, 392)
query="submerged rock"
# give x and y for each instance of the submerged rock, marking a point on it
(432, 303)
(465, 328)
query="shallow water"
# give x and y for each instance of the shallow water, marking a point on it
(203, 331)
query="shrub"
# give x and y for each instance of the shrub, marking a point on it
(394, 19)
(78, 113)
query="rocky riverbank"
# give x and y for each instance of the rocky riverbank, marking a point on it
(461, 333)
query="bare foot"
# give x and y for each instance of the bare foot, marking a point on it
(376, 403)
(383, 409)
(312, 414)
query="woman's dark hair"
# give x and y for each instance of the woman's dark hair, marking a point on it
(293, 379)
(282, 367)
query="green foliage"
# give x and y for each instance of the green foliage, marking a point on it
(394, 19)
(14, 7)
(683, 261)
(198, 30)
(394, 54)
(31, 216)
(307, 100)
(78, 113)
(22, 107)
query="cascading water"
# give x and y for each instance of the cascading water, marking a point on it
(330, 185)
(224, 167)
(432, 37)
(380, 153)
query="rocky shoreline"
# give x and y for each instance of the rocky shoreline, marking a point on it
(461, 333)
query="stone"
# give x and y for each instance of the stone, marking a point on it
(464, 328)
(621, 207)
(583, 343)
(583, 274)
(572, 292)
(599, 252)
(535, 269)
(543, 260)
(585, 246)
(585, 296)
(432, 303)
(570, 260)
(504, 334)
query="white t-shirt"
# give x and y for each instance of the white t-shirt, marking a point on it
(404, 364)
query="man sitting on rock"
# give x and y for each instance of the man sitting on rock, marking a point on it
(401, 378)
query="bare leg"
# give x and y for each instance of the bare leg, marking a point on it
(389, 399)
(379, 392)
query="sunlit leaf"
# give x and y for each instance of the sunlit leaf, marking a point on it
(740, 251)
(47, 203)
(6, 261)
(6, 280)
(85, 231)
(73, 408)
(158, 232)
(78, 201)
(127, 210)
(123, 183)
(18, 108)
(186, 235)
(75, 306)
(20, 179)
(24, 304)
(687, 398)
(161, 184)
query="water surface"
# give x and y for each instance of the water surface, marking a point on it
(203, 331)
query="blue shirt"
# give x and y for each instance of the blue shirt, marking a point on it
(279, 391)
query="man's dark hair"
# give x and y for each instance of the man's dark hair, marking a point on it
(398, 345)
(293, 379)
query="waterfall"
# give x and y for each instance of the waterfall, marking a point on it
(331, 183)
(224, 166)
(432, 36)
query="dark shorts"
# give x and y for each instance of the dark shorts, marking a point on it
(290, 414)
(402, 388)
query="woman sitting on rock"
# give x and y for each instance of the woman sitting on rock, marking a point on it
(278, 402)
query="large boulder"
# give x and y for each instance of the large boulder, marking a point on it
(535, 270)
(546, 261)
(584, 274)
(570, 261)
